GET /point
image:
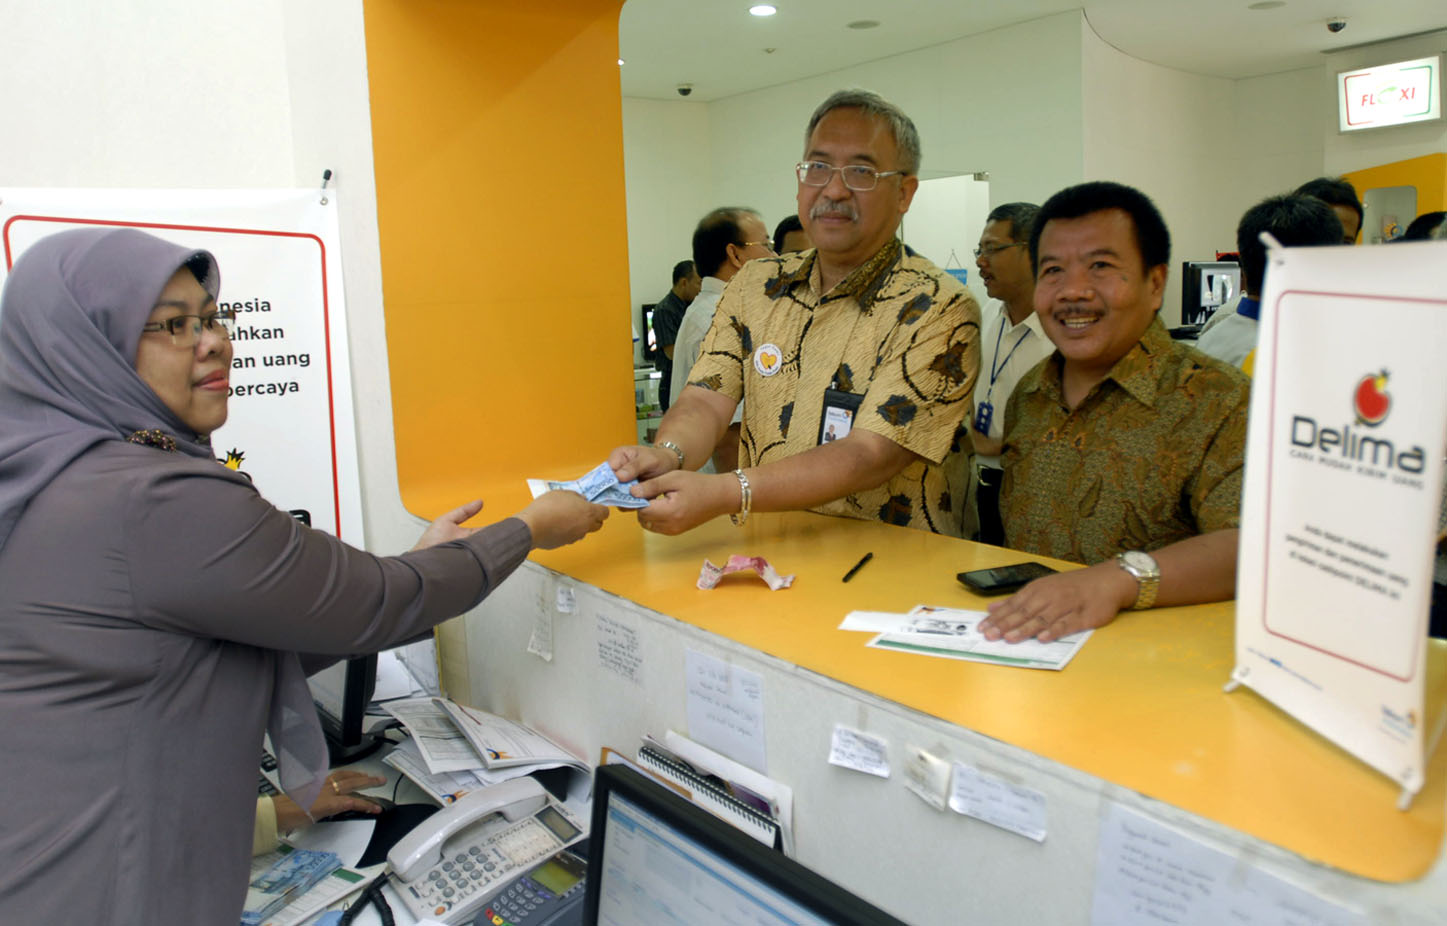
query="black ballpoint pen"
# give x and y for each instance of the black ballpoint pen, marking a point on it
(858, 566)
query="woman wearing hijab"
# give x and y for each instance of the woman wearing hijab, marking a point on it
(155, 611)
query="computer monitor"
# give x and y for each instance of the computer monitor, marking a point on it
(1206, 285)
(655, 857)
(341, 694)
(650, 343)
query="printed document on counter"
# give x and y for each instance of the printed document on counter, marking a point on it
(954, 634)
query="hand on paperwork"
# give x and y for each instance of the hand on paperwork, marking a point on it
(1058, 605)
(336, 797)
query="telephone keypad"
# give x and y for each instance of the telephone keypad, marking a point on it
(501, 854)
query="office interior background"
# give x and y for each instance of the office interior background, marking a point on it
(507, 204)
(483, 178)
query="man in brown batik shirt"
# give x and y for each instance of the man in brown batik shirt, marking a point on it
(1124, 448)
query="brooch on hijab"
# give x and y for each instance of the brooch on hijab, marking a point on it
(154, 437)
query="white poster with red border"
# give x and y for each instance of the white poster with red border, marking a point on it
(1343, 479)
(290, 425)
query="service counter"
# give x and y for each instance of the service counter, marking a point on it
(1138, 719)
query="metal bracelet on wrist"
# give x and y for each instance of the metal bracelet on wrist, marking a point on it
(746, 499)
(677, 450)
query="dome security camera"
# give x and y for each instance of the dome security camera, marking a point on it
(685, 89)
(1336, 25)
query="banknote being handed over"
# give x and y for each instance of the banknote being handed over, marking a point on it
(598, 485)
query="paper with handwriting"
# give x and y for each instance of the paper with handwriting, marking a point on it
(620, 650)
(860, 751)
(1150, 873)
(726, 709)
(998, 802)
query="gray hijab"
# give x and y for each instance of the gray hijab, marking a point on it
(70, 322)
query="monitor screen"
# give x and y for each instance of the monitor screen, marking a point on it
(656, 858)
(1207, 285)
(342, 693)
(650, 346)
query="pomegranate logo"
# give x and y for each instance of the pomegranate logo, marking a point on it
(1371, 401)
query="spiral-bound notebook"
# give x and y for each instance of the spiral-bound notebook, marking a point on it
(713, 798)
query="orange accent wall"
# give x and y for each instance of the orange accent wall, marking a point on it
(1427, 173)
(498, 139)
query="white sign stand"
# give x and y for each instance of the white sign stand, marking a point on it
(1343, 479)
(291, 423)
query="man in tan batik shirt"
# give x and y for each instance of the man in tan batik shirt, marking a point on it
(855, 334)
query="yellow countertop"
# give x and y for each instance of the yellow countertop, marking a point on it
(1141, 705)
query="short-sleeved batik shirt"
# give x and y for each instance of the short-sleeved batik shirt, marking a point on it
(898, 332)
(1152, 455)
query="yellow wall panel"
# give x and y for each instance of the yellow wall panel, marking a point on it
(1427, 173)
(498, 138)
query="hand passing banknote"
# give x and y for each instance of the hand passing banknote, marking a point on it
(599, 486)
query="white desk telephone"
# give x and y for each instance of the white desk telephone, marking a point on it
(461, 856)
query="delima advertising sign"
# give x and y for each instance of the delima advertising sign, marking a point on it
(1343, 480)
(1392, 94)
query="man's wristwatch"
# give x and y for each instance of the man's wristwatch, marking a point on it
(1142, 566)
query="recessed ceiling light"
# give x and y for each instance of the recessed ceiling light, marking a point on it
(620, 62)
(1266, 5)
(763, 9)
(864, 24)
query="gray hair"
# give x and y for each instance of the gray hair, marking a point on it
(906, 136)
(1021, 217)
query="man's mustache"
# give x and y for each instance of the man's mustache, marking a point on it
(828, 208)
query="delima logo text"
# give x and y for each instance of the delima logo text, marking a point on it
(1371, 403)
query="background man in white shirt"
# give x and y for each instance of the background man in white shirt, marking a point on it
(1011, 342)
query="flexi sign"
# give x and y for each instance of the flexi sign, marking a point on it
(1392, 94)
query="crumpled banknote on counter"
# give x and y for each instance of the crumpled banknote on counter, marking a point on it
(710, 574)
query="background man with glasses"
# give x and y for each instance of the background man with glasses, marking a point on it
(723, 242)
(854, 333)
(1012, 342)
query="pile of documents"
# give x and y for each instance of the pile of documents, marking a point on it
(454, 749)
(755, 803)
(289, 886)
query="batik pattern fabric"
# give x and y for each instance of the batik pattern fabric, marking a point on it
(897, 331)
(1152, 455)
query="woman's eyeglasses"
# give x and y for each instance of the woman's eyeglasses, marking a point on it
(185, 330)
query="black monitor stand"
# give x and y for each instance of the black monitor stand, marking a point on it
(346, 740)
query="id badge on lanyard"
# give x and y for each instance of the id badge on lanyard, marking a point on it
(838, 415)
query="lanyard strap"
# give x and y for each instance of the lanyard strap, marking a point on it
(995, 370)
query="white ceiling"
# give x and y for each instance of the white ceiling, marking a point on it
(721, 50)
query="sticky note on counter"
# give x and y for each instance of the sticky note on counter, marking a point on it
(998, 802)
(928, 776)
(859, 751)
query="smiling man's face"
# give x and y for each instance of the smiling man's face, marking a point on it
(1093, 295)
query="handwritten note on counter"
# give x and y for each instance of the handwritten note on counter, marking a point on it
(1149, 873)
(726, 709)
(620, 650)
(998, 802)
(860, 751)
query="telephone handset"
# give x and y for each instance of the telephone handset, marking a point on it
(461, 856)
